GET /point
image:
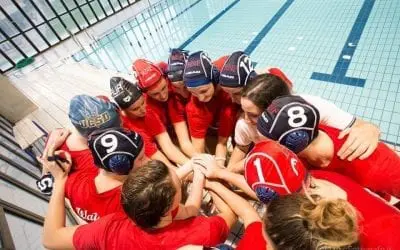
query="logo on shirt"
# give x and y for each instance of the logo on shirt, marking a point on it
(85, 216)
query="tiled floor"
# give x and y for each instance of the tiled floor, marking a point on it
(359, 39)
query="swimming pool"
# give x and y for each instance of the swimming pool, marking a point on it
(344, 51)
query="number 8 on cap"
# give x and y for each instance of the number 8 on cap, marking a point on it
(291, 121)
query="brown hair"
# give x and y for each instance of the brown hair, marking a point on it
(296, 222)
(148, 194)
(265, 88)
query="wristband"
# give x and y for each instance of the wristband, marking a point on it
(220, 158)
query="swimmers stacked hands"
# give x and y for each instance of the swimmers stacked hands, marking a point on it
(321, 172)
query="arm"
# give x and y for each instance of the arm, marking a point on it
(362, 140)
(55, 234)
(238, 167)
(240, 206)
(238, 154)
(184, 170)
(330, 114)
(226, 212)
(55, 139)
(161, 157)
(211, 170)
(238, 180)
(199, 144)
(182, 133)
(193, 203)
(220, 150)
(170, 150)
(363, 136)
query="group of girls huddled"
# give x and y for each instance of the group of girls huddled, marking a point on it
(325, 178)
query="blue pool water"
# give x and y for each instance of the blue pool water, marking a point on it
(345, 51)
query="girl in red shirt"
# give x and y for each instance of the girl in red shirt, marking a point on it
(236, 72)
(209, 105)
(94, 191)
(178, 100)
(294, 123)
(333, 211)
(156, 86)
(136, 116)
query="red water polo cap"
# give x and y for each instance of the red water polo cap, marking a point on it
(148, 74)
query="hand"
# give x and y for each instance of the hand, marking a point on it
(58, 163)
(56, 138)
(210, 184)
(362, 140)
(207, 165)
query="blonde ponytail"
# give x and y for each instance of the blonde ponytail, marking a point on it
(299, 222)
(332, 222)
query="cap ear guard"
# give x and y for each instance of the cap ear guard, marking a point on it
(175, 76)
(120, 164)
(221, 247)
(296, 141)
(251, 76)
(266, 194)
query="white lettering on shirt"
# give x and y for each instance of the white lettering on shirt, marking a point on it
(85, 216)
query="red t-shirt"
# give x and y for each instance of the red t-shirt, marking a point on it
(87, 203)
(177, 107)
(82, 160)
(219, 110)
(253, 238)
(160, 108)
(176, 102)
(380, 172)
(379, 238)
(81, 190)
(148, 127)
(219, 63)
(117, 231)
(373, 211)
